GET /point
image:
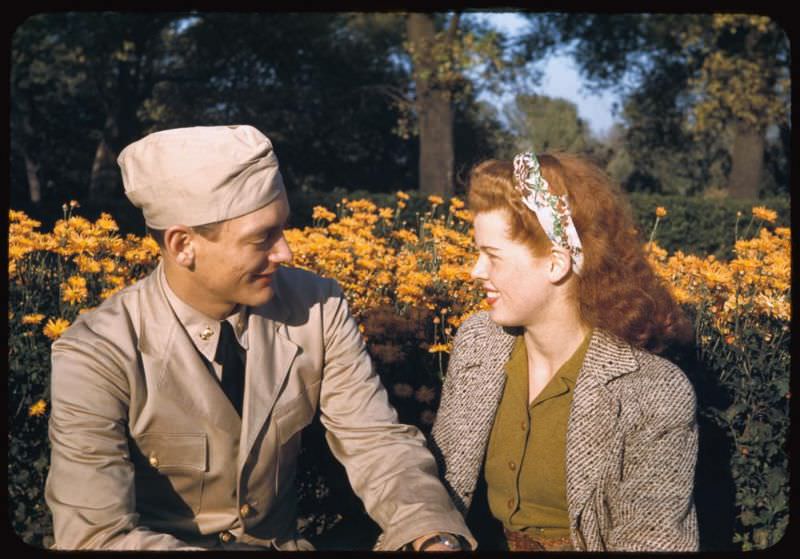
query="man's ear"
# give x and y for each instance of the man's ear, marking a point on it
(560, 264)
(178, 245)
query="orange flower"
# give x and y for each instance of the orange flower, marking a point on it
(37, 409)
(661, 211)
(55, 327)
(765, 214)
(32, 318)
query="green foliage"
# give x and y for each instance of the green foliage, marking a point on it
(752, 368)
(546, 124)
(689, 82)
(700, 225)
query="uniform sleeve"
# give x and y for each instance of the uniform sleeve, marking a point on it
(654, 509)
(387, 463)
(90, 485)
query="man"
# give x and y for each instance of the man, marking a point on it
(177, 404)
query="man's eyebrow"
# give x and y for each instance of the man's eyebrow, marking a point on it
(263, 230)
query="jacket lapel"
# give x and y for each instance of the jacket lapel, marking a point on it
(593, 416)
(483, 377)
(269, 360)
(180, 373)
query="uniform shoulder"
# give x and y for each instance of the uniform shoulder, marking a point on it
(100, 321)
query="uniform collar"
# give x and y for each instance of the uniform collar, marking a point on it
(204, 330)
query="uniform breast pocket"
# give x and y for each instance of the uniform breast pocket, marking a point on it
(290, 418)
(170, 472)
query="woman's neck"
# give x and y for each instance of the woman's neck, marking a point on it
(550, 343)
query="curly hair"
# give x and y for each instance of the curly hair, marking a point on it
(617, 290)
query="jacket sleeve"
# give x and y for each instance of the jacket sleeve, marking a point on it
(387, 463)
(90, 485)
(654, 508)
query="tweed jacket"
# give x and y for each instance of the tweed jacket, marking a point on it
(148, 452)
(631, 439)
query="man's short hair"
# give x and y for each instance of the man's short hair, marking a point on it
(210, 231)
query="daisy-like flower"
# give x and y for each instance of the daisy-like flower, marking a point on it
(37, 409)
(35, 318)
(766, 214)
(55, 327)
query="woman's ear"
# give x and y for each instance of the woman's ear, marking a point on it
(560, 264)
(178, 246)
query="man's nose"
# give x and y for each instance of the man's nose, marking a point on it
(281, 253)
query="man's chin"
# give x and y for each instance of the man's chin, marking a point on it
(262, 297)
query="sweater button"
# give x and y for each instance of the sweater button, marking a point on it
(510, 503)
(512, 466)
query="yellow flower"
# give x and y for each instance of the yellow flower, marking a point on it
(32, 318)
(765, 214)
(149, 245)
(661, 211)
(435, 200)
(106, 223)
(438, 348)
(108, 265)
(456, 204)
(321, 212)
(402, 195)
(55, 327)
(386, 213)
(74, 290)
(37, 409)
(87, 264)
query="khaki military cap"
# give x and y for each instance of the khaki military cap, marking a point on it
(200, 175)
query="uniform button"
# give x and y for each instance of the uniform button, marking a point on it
(512, 465)
(245, 510)
(510, 503)
(225, 537)
(153, 460)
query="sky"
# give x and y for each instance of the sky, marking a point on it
(561, 79)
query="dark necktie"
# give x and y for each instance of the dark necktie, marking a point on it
(232, 366)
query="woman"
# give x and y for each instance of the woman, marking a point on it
(586, 440)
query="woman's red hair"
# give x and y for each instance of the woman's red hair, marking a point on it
(617, 290)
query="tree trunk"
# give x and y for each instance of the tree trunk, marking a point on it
(748, 160)
(434, 111)
(105, 182)
(34, 186)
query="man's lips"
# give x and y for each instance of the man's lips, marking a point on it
(266, 278)
(491, 297)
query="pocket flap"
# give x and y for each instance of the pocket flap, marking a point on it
(175, 450)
